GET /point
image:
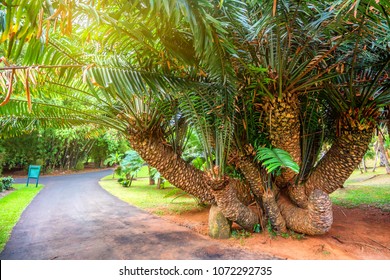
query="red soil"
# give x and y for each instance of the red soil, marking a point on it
(359, 234)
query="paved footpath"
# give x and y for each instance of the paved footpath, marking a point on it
(74, 218)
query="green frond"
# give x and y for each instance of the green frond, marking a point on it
(274, 159)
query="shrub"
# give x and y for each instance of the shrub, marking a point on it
(79, 166)
(6, 183)
(124, 182)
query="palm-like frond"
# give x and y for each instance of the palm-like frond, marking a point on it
(274, 159)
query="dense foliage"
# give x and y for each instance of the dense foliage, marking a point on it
(59, 148)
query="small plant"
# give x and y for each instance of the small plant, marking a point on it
(321, 250)
(285, 235)
(124, 182)
(257, 228)
(6, 183)
(240, 234)
(129, 166)
(297, 236)
(270, 230)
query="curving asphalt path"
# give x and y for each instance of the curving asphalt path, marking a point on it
(74, 218)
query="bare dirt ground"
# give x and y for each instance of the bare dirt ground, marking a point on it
(359, 234)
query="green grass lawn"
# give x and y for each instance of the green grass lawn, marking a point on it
(371, 188)
(12, 206)
(158, 201)
(143, 173)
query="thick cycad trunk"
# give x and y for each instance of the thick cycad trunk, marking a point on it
(316, 219)
(282, 120)
(231, 197)
(340, 161)
(167, 162)
(264, 196)
(306, 208)
(284, 129)
(231, 207)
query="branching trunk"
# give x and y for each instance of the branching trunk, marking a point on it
(230, 196)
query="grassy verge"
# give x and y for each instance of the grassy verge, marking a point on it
(371, 188)
(12, 207)
(169, 200)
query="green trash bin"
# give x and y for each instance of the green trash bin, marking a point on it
(33, 173)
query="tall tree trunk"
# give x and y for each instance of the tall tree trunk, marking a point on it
(382, 151)
(159, 183)
(364, 165)
(340, 161)
(151, 179)
(230, 196)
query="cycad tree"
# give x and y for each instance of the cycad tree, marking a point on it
(247, 76)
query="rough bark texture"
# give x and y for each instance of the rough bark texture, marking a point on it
(340, 161)
(284, 128)
(230, 195)
(298, 195)
(233, 209)
(171, 167)
(254, 178)
(252, 175)
(273, 212)
(219, 226)
(316, 219)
